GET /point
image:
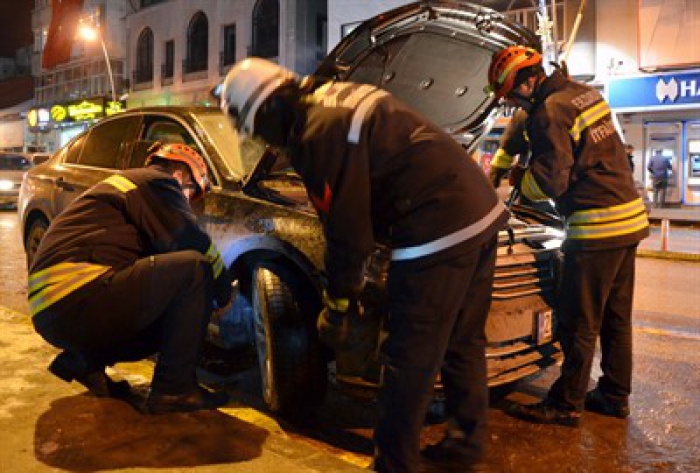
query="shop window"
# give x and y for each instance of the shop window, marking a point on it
(144, 57)
(103, 146)
(266, 34)
(197, 43)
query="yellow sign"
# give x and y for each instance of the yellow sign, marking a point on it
(33, 118)
(85, 110)
(113, 107)
(59, 113)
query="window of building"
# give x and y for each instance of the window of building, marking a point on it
(144, 57)
(197, 43)
(169, 65)
(229, 53)
(266, 34)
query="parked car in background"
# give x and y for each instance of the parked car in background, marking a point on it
(269, 235)
(12, 169)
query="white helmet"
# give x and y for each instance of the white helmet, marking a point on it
(248, 84)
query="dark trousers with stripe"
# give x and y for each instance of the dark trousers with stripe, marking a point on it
(595, 300)
(162, 304)
(438, 310)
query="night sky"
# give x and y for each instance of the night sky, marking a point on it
(15, 25)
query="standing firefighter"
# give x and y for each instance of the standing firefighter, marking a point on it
(125, 272)
(579, 161)
(377, 172)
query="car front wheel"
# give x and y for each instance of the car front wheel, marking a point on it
(292, 363)
(35, 234)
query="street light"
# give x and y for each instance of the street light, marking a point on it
(90, 33)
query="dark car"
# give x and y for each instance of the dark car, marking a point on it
(12, 169)
(269, 236)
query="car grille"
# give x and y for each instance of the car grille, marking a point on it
(523, 273)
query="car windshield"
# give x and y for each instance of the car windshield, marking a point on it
(14, 163)
(241, 157)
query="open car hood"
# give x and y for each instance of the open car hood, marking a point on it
(432, 55)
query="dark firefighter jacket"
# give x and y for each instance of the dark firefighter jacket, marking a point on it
(579, 161)
(514, 141)
(379, 173)
(128, 216)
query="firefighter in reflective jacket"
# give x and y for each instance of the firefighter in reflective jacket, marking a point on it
(125, 272)
(378, 172)
(579, 161)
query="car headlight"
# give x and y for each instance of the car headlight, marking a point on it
(6, 185)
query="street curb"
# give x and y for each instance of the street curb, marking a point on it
(669, 255)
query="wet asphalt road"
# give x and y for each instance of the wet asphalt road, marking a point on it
(662, 434)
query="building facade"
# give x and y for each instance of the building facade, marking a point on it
(71, 96)
(178, 50)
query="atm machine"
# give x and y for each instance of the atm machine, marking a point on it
(692, 171)
(668, 138)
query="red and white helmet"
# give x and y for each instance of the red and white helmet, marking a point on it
(247, 85)
(506, 64)
(184, 154)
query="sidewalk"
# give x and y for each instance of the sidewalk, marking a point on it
(49, 425)
(682, 242)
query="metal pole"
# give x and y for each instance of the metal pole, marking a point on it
(109, 69)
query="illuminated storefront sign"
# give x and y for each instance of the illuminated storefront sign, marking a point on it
(665, 91)
(74, 111)
(114, 107)
(86, 110)
(38, 117)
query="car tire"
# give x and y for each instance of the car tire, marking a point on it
(35, 233)
(293, 371)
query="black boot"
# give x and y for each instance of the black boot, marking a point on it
(546, 412)
(70, 366)
(452, 453)
(196, 399)
(597, 401)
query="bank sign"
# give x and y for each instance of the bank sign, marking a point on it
(655, 92)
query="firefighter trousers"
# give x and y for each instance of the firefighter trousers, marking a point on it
(161, 304)
(438, 310)
(595, 300)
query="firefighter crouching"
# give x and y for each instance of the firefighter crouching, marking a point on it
(579, 161)
(377, 172)
(125, 272)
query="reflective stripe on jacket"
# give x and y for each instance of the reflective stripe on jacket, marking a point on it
(607, 222)
(54, 283)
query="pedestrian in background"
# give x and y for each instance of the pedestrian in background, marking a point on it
(378, 172)
(660, 169)
(578, 160)
(125, 272)
(629, 149)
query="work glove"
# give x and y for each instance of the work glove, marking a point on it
(495, 176)
(336, 321)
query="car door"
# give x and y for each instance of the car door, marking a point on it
(92, 157)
